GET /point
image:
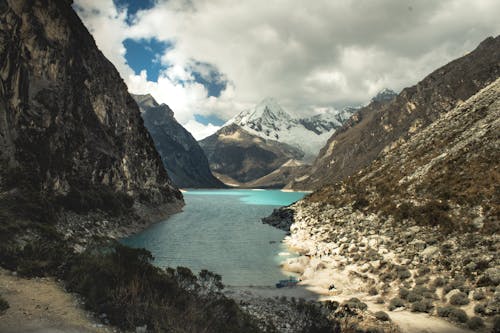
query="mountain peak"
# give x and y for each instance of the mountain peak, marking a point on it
(384, 95)
(145, 100)
(267, 112)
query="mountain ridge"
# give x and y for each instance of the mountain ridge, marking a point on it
(376, 126)
(181, 154)
(234, 152)
(269, 120)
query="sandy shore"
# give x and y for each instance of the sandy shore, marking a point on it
(319, 274)
(41, 305)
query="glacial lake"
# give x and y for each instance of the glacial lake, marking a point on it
(221, 230)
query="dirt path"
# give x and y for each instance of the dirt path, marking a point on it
(40, 305)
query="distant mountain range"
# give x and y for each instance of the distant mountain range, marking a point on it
(261, 140)
(270, 121)
(181, 154)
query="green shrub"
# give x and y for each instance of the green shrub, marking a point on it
(403, 273)
(4, 305)
(380, 300)
(120, 282)
(480, 309)
(454, 314)
(438, 282)
(373, 291)
(382, 316)
(459, 299)
(444, 311)
(424, 305)
(478, 295)
(413, 297)
(454, 284)
(355, 303)
(396, 302)
(475, 323)
(403, 292)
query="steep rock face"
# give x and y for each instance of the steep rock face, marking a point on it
(377, 126)
(181, 154)
(234, 152)
(69, 130)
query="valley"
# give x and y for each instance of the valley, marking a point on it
(148, 185)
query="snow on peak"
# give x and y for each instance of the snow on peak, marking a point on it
(264, 114)
(270, 121)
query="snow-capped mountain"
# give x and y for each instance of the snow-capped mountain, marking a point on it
(270, 121)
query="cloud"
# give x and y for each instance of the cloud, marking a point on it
(307, 55)
(200, 131)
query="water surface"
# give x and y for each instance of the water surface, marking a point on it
(221, 230)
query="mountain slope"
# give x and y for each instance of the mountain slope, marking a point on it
(419, 224)
(242, 156)
(377, 126)
(270, 121)
(71, 135)
(181, 154)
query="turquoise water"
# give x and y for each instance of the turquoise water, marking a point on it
(221, 230)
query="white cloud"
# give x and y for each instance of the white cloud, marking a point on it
(199, 130)
(307, 55)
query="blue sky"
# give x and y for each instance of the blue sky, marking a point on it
(144, 54)
(133, 6)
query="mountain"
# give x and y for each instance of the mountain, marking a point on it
(378, 126)
(270, 121)
(70, 133)
(181, 154)
(426, 211)
(77, 168)
(385, 95)
(233, 152)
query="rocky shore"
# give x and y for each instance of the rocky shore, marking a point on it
(402, 269)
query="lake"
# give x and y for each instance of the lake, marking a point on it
(221, 230)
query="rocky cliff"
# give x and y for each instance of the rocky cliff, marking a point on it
(379, 125)
(233, 152)
(72, 138)
(181, 154)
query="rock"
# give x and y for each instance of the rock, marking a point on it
(281, 218)
(181, 154)
(141, 329)
(67, 122)
(418, 245)
(430, 251)
(478, 222)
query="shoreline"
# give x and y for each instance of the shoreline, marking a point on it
(320, 266)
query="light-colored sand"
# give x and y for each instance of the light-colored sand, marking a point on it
(319, 274)
(42, 306)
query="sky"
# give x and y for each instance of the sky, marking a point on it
(211, 59)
